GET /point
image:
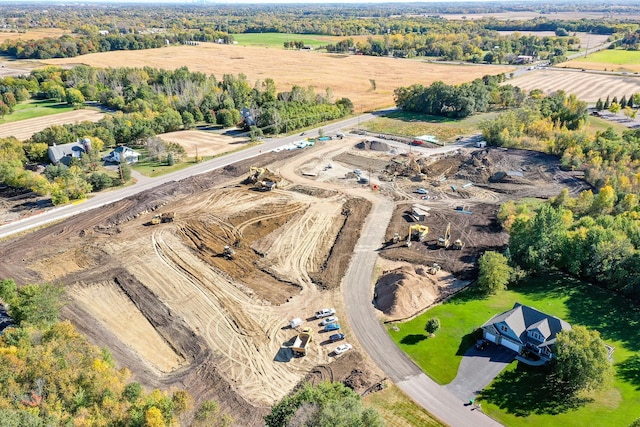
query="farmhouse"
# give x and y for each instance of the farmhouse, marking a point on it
(523, 329)
(65, 152)
(122, 153)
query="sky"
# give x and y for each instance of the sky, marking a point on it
(250, 1)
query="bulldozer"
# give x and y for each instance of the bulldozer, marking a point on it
(445, 241)
(265, 185)
(228, 252)
(167, 217)
(417, 232)
(458, 245)
(396, 238)
(434, 268)
(256, 174)
(155, 220)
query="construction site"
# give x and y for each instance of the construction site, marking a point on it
(194, 283)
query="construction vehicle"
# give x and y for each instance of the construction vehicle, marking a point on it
(299, 346)
(417, 232)
(445, 241)
(458, 245)
(265, 185)
(255, 174)
(434, 268)
(155, 220)
(167, 217)
(396, 238)
(228, 252)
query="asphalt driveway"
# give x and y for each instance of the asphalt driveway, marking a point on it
(478, 368)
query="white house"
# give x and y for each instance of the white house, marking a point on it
(121, 154)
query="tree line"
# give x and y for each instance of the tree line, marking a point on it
(459, 101)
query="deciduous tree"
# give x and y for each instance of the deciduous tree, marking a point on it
(494, 272)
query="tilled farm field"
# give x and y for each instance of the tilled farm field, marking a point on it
(177, 312)
(24, 129)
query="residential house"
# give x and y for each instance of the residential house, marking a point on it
(523, 329)
(63, 153)
(121, 154)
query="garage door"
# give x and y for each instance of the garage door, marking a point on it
(513, 346)
(490, 337)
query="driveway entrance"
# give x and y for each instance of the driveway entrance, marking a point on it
(478, 368)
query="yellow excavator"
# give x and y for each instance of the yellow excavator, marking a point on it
(417, 232)
(255, 174)
(445, 241)
(458, 245)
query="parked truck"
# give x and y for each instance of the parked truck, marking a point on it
(302, 341)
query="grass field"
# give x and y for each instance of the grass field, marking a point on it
(520, 396)
(277, 39)
(348, 76)
(608, 59)
(596, 124)
(404, 123)
(33, 34)
(398, 410)
(36, 108)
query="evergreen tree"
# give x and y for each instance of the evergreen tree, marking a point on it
(615, 100)
(623, 101)
(599, 104)
(606, 103)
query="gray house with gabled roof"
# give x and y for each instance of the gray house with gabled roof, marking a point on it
(525, 328)
(65, 152)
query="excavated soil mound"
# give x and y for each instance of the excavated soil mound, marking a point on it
(373, 146)
(404, 291)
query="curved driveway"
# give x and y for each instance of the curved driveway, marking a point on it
(358, 295)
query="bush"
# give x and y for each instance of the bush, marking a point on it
(100, 180)
(432, 325)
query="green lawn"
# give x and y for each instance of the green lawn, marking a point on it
(596, 124)
(522, 396)
(613, 56)
(36, 108)
(277, 39)
(398, 410)
(445, 129)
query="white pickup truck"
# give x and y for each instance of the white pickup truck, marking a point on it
(325, 312)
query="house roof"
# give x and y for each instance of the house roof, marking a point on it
(58, 152)
(521, 319)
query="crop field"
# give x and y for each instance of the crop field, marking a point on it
(25, 128)
(586, 86)
(351, 76)
(609, 59)
(32, 34)
(202, 143)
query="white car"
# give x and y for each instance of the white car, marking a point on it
(342, 348)
(325, 312)
(328, 320)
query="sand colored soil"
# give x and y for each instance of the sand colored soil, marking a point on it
(404, 289)
(347, 75)
(202, 143)
(32, 34)
(24, 129)
(586, 86)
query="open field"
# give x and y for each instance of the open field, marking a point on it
(526, 15)
(34, 108)
(276, 40)
(33, 34)
(516, 397)
(609, 59)
(203, 143)
(347, 75)
(586, 40)
(397, 410)
(586, 86)
(24, 129)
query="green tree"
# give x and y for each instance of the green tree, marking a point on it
(100, 180)
(599, 104)
(8, 291)
(607, 103)
(208, 415)
(75, 98)
(494, 272)
(432, 325)
(124, 170)
(188, 120)
(37, 304)
(614, 108)
(582, 361)
(327, 404)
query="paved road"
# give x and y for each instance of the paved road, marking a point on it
(358, 295)
(104, 198)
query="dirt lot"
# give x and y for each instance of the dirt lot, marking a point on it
(23, 129)
(586, 86)
(348, 75)
(202, 142)
(177, 312)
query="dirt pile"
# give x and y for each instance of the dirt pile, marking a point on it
(401, 292)
(372, 145)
